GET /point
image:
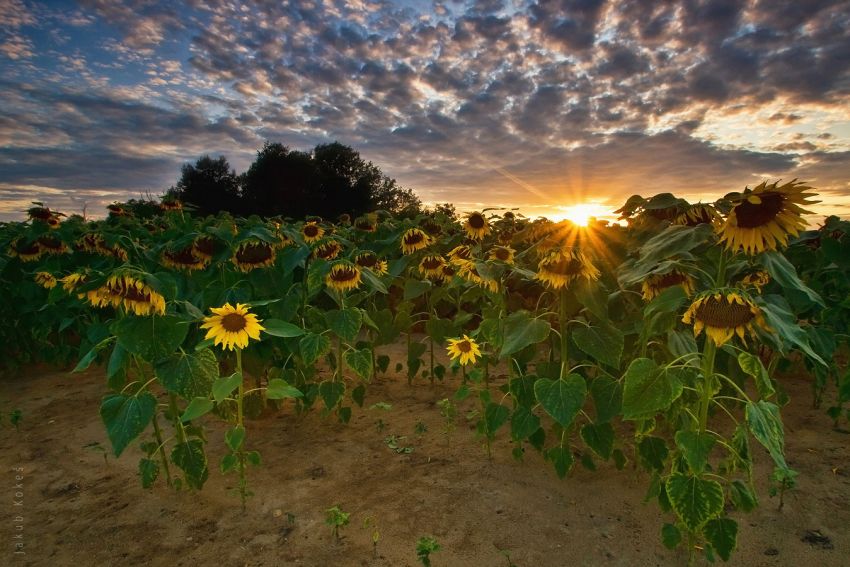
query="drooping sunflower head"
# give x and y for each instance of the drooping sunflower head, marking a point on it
(476, 226)
(52, 245)
(90, 242)
(205, 247)
(312, 232)
(54, 222)
(45, 280)
(367, 223)
(344, 219)
(757, 280)
(184, 259)
(448, 272)
(72, 281)
(432, 227)
(460, 255)
(39, 213)
(370, 261)
(563, 266)
(502, 254)
(253, 254)
(431, 266)
(506, 237)
(343, 276)
(654, 284)
(763, 218)
(414, 239)
(327, 250)
(26, 251)
(171, 204)
(470, 273)
(465, 350)
(699, 213)
(126, 289)
(723, 314)
(232, 327)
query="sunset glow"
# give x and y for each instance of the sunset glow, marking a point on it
(582, 213)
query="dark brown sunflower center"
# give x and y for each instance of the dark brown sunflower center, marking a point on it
(723, 314)
(51, 243)
(503, 254)
(41, 214)
(432, 263)
(311, 231)
(663, 214)
(464, 346)
(31, 248)
(367, 260)
(431, 227)
(326, 251)
(233, 322)
(254, 253)
(448, 271)
(413, 238)
(476, 221)
(698, 216)
(754, 215)
(669, 280)
(463, 253)
(182, 256)
(343, 274)
(365, 225)
(205, 246)
(569, 267)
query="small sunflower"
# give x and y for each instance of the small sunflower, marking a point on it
(45, 280)
(502, 254)
(700, 213)
(370, 261)
(460, 255)
(72, 281)
(476, 226)
(40, 213)
(127, 290)
(465, 350)
(253, 254)
(312, 232)
(183, 259)
(763, 218)
(52, 245)
(757, 280)
(414, 239)
(171, 205)
(327, 250)
(26, 251)
(470, 273)
(232, 327)
(367, 223)
(431, 226)
(344, 219)
(431, 266)
(724, 314)
(343, 276)
(564, 266)
(54, 222)
(506, 237)
(654, 284)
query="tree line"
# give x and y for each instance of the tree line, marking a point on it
(329, 181)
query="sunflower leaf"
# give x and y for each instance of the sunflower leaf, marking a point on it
(224, 386)
(278, 328)
(125, 417)
(781, 270)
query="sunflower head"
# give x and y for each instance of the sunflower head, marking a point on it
(700, 213)
(502, 254)
(232, 327)
(414, 239)
(39, 213)
(26, 251)
(563, 266)
(253, 254)
(654, 284)
(54, 222)
(126, 289)
(45, 280)
(763, 218)
(171, 204)
(183, 259)
(370, 261)
(506, 237)
(465, 350)
(327, 250)
(460, 255)
(116, 210)
(205, 247)
(476, 226)
(312, 232)
(757, 280)
(470, 273)
(52, 245)
(431, 266)
(344, 219)
(343, 276)
(72, 281)
(723, 314)
(367, 223)
(432, 227)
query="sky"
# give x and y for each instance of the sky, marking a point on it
(535, 104)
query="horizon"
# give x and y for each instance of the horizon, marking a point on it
(534, 105)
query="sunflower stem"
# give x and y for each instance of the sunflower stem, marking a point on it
(720, 281)
(562, 317)
(240, 454)
(175, 415)
(158, 434)
(708, 354)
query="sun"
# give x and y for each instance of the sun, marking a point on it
(581, 213)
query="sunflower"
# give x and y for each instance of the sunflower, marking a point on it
(476, 226)
(368, 223)
(327, 250)
(414, 239)
(470, 273)
(45, 280)
(763, 218)
(53, 246)
(431, 226)
(343, 276)
(53, 222)
(90, 242)
(700, 213)
(171, 205)
(204, 247)
(370, 261)
(116, 210)
(40, 213)
(654, 284)
(448, 272)
(506, 237)
(312, 232)
(253, 254)
(72, 281)
(127, 290)
(723, 314)
(232, 326)
(757, 279)
(344, 219)
(502, 254)
(561, 267)
(465, 349)
(26, 251)
(431, 266)
(460, 255)
(183, 259)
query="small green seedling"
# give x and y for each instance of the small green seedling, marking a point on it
(394, 442)
(370, 523)
(424, 548)
(336, 519)
(420, 428)
(448, 411)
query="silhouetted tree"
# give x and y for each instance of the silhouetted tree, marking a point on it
(389, 196)
(281, 182)
(346, 182)
(210, 185)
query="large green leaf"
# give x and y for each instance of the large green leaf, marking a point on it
(783, 271)
(782, 321)
(599, 437)
(189, 375)
(125, 417)
(278, 328)
(189, 456)
(607, 396)
(562, 399)
(196, 408)
(521, 330)
(148, 471)
(331, 393)
(91, 355)
(523, 423)
(495, 416)
(765, 425)
(345, 322)
(225, 385)
(152, 338)
(722, 534)
(753, 366)
(371, 280)
(695, 448)
(415, 288)
(604, 343)
(360, 361)
(674, 240)
(648, 389)
(279, 389)
(695, 500)
(313, 346)
(653, 453)
(561, 458)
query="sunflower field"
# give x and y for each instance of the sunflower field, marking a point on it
(653, 344)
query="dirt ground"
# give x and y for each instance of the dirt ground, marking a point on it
(78, 510)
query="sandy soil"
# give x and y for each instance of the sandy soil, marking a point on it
(79, 510)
